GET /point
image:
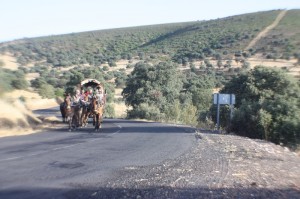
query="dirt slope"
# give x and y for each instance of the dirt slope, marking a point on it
(16, 117)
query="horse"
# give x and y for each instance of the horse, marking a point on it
(97, 111)
(68, 113)
(63, 112)
(86, 111)
(77, 108)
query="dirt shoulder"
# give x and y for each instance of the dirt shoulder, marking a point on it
(219, 166)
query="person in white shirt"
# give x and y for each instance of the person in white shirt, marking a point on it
(99, 95)
(77, 97)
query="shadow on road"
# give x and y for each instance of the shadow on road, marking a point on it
(151, 192)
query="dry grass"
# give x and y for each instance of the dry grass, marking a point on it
(254, 61)
(41, 104)
(122, 64)
(280, 63)
(16, 119)
(118, 92)
(120, 110)
(18, 93)
(33, 100)
(32, 76)
(10, 62)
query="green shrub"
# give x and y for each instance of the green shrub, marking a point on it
(109, 111)
(59, 92)
(20, 83)
(145, 111)
(47, 91)
(267, 105)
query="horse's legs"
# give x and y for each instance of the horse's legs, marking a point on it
(74, 121)
(81, 118)
(63, 115)
(70, 122)
(86, 118)
(63, 111)
(100, 120)
(94, 119)
(78, 117)
(97, 121)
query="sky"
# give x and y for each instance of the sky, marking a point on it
(33, 18)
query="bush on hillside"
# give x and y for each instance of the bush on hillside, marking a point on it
(47, 91)
(20, 83)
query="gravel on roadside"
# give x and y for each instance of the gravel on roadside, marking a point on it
(218, 166)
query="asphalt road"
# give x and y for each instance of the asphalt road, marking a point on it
(53, 162)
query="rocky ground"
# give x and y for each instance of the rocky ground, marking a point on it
(218, 166)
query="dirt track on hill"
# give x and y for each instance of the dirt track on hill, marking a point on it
(219, 166)
(266, 30)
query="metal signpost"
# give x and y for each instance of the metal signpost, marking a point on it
(223, 99)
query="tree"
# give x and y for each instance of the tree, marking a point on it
(228, 64)
(47, 91)
(296, 55)
(153, 86)
(267, 105)
(59, 92)
(207, 63)
(246, 65)
(219, 63)
(6, 78)
(193, 67)
(75, 79)
(38, 82)
(120, 82)
(19, 83)
(199, 87)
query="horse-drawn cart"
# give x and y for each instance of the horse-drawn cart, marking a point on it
(97, 99)
(88, 102)
(92, 83)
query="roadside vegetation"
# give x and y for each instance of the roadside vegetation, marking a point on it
(173, 69)
(267, 105)
(10, 80)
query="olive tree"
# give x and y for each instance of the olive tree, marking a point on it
(267, 105)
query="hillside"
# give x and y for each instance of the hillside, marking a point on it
(180, 42)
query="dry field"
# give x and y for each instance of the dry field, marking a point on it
(10, 62)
